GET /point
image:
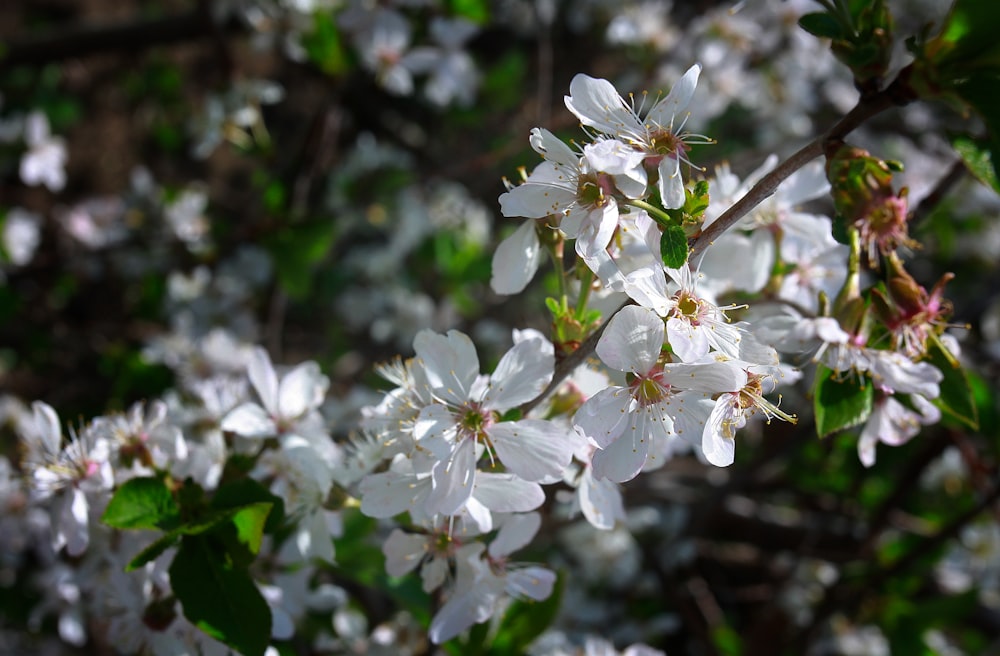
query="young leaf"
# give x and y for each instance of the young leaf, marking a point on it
(840, 404)
(249, 522)
(978, 161)
(821, 24)
(674, 246)
(956, 399)
(218, 598)
(141, 503)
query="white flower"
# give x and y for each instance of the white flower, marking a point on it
(565, 186)
(468, 410)
(482, 581)
(660, 402)
(656, 134)
(79, 469)
(285, 402)
(45, 160)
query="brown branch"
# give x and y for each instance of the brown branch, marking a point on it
(867, 107)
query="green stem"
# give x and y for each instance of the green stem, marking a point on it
(658, 215)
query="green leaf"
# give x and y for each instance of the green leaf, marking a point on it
(249, 522)
(218, 598)
(840, 404)
(821, 24)
(956, 399)
(674, 246)
(141, 503)
(978, 161)
(324, 45)
(525, 620)
(245, 491)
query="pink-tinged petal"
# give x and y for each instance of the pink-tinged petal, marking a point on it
(597, 104)
(532, 582)
(896, 372)
(450, 363)
(453, 480)
(516, 533)
(632, 340)
(665, 113)
(507, 493)
(264, 380)
(249, 420)
(533, 449)
(671, 183)
(600, 501)
(521, 375)
(301, 389)
(516, 260)
(866, 446)
(390, 493)
(622, 460)
(553, 148)
(403, 552)
(603, 416)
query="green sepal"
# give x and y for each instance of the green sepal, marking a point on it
(840, 404)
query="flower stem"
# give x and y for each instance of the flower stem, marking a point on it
(658, 215)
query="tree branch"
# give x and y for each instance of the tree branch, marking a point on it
(866, 108)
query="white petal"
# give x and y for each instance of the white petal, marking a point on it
(249, 420)
(516, 260)
(597, 104)
(403, 552)
(301, 389)
(552, 148)
(719, 439)
(264, 379)
(603, 416)
(453, 480)
(521, 375)
(664, 113)
(389, 493)
(632, 340)
(507, 493)
(517, 532)
(600, 501)
(533, 582)
(532, 448)
(622, 460)
(671, 183)
(450, 363)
